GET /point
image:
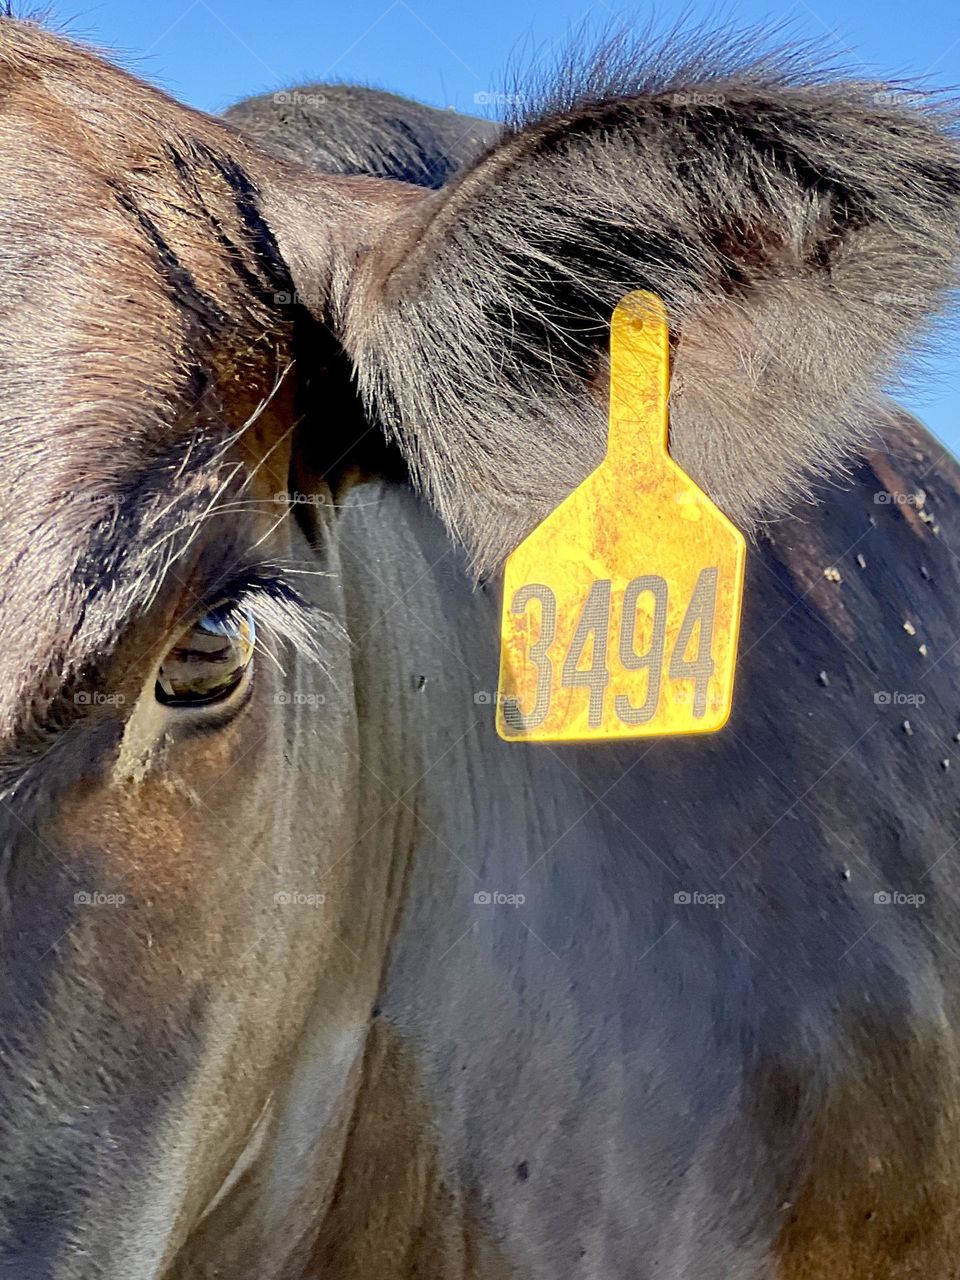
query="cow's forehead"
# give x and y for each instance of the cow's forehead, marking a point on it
(135, 286)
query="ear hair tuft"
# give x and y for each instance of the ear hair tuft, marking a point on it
(801, 229)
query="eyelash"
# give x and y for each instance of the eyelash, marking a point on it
(278, 609)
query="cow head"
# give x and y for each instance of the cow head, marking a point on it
(201, 343)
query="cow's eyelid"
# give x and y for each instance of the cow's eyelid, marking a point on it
(278, 608)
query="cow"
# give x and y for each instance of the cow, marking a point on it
(303, 971)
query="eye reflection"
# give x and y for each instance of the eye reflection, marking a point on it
(210, 660)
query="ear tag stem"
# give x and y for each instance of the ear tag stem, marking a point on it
(622, 609)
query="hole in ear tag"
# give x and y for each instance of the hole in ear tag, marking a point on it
(622, 609)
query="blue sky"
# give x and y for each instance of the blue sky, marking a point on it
(211, 52)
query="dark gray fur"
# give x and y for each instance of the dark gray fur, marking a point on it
(347, 129)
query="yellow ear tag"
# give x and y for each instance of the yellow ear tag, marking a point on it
(622, 609)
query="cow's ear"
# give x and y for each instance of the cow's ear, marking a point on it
(318, 229)
(801, 232)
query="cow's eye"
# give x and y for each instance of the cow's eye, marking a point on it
(209, 661)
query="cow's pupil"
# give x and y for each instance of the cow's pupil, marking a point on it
(208, 662)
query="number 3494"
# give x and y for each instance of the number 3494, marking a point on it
(637, 649)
